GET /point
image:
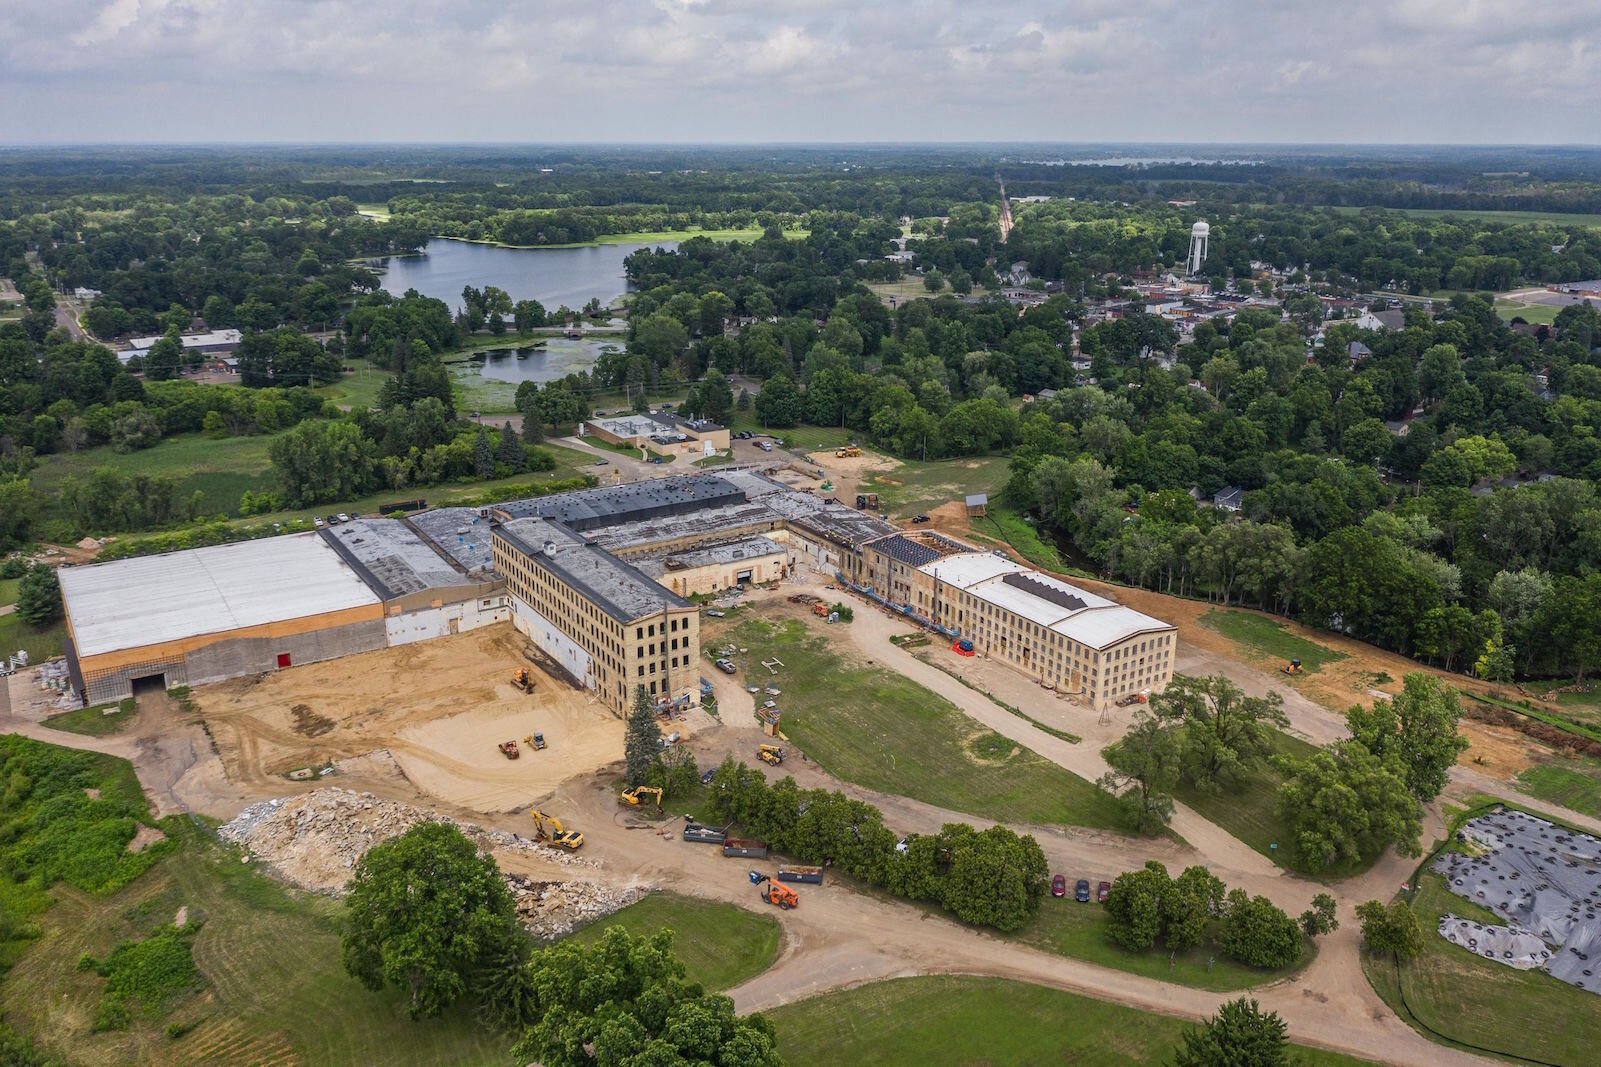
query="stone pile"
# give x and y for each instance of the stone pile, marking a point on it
(314, 840)
(553, 909)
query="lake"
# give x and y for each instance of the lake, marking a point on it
(555, 359)
(552, 276)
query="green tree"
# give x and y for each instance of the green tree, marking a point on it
(1416, 729)
(1226, 732)
(1241, 1034)
(1144, 769)
(715, 396)
(483, 454)
(316, 462)
(1193, 899)
(779, 405)
(1258, 932)
(1392, 929)
(1320, 918)
(509, 451)
(642, 743)
(19, 508)
(1134, 906)
(528, 315)
(166, 357)
(624, 1001)
(1344, 806)
(933, 281)
(424, 912)
(39, 596)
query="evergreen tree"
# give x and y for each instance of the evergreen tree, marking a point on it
(509, 452)
(533, 425)
(483, 454)
(39, 596)
(642, 743)
(1240, 1033)
(166, 357)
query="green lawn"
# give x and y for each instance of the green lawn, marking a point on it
(1269, 638)
(1573, 783)
(1080, 931)
(806, 438)
(39, 642)
(98, 721)
(1479, 1002)
(358, 391)
(966, 1020)
(1534, 314)
(8, 590)
(721, 945)
(220, 468)
(1247, 812)
(873, 727)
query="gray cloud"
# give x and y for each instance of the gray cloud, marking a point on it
(784, 70)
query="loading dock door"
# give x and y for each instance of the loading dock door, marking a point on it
(742, 577)
(283, 659)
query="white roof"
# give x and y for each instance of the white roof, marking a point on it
(1075, 613)
(966, 569)
(1100, 627)
(193, 340)
(151, 599)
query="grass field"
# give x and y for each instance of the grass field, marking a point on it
(965, 1020)
(917, 486)
(99, 721)
(39, 642)
(1247, 813)
(911, 288)
(721, 945)
(1068, 928)
(877, 729)
(8, 590)
(1478, 1002)
(358, 391)
(1573, 783)
(222, 469)
(1535, 314)
(1269, 639)
(808, 438)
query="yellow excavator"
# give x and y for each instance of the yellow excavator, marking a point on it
(635, 795)
(549, 828)
(523, 680)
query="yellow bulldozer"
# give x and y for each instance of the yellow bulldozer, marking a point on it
(523, 680)
(635, 795)
(549, 828)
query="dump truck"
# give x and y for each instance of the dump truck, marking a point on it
(773, 893)
(509, 749)
(705, 835)
(549, 828)
(753, 850)
(635, 795)
(523, 680)
(793, 873)
(770, 754)
(847, 452)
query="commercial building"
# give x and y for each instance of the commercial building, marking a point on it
(660, 432)
(1062, 636)
(206, 614)
(213, 343)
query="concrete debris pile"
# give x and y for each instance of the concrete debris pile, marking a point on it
(314, 840)
(553, 909)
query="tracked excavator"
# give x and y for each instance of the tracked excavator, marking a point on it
(549, 828)
(636, 794)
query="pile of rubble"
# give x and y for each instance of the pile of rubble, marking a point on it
(553, 909)
(315, 839)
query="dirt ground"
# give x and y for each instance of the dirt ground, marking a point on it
(848, 474)
(439, 708)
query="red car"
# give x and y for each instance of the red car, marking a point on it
(1058, 886)
(1101, 892)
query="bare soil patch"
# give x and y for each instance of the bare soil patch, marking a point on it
(144, 837)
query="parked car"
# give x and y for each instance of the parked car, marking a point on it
(1102, 891)
(765, 446)
(715, 613)
(1058, 886)
(706, 776)
(343, 517)
(1081, 892)
(726, 666)
(919, 518)
(602, 462)
(318, 523)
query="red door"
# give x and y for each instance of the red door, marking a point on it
(283, 659)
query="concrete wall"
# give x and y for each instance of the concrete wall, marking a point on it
(714, 577)
(548, 636)
(405, 627)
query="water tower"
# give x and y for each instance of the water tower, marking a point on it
(1198, 238)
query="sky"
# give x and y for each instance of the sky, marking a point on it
(1286, 71)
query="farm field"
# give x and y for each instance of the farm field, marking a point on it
(881, 731)
(721, 945)
(963, 1020)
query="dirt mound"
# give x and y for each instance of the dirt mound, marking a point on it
(315, 839)
(554, 909)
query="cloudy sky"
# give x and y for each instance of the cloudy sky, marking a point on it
(1471, 71)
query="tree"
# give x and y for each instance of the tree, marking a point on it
(509, 451)
(1192, 900)
(1134, 906)
(1144, 769)
(424, 912)
(1225, 731)
(715, 397)
(19, 507)
(1344, 806)
(166, 357)
(642, 744)
(624, 1000)
(1320, 918)
(39, 596)
(1258, 932)
(316, 462)
(483, 454)
(528, 315)
(1418, 728)
(779, 404)
(1241, 1034)
(1392, 929)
